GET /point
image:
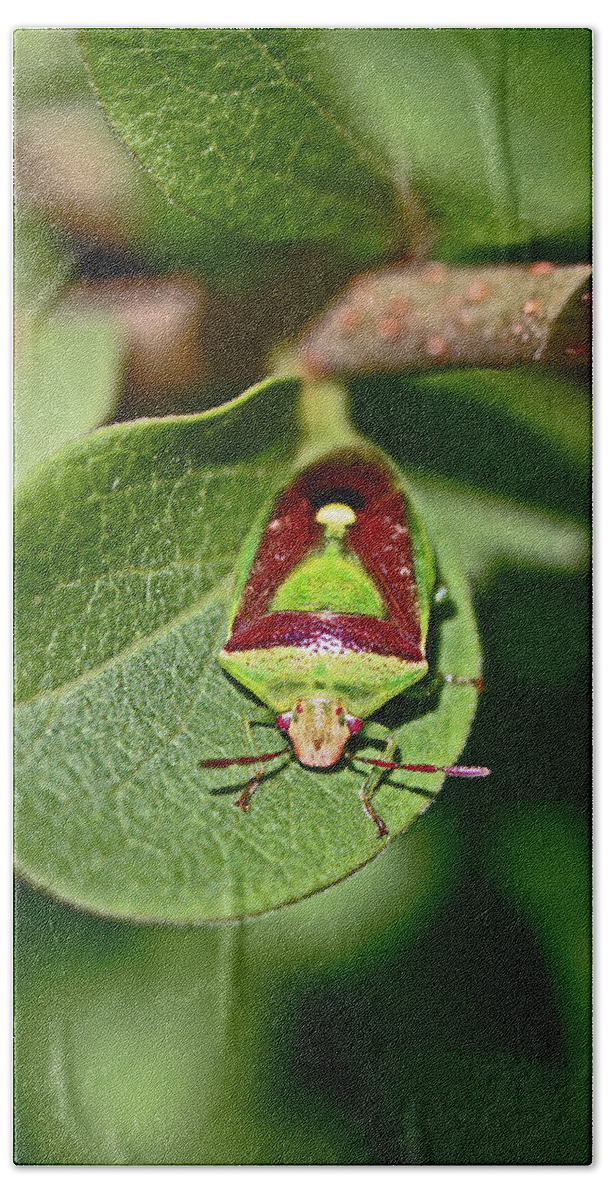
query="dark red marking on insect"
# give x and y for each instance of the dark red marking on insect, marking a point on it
(380, 537)
(333, 632)
(350, 471)
(290, 533)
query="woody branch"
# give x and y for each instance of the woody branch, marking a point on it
(422, 316)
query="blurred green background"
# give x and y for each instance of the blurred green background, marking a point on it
(434, 1008)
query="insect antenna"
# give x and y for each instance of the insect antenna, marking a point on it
(462, 771)
(244, 760)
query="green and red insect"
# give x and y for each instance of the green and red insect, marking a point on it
(333, 599)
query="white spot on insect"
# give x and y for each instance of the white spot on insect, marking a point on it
(275, 525)
(336, 518)
(404, 571)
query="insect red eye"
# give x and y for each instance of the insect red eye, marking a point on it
(354, 724)
(339, 712)
(299, 708)
(283, 720)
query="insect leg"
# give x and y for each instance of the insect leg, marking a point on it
(256, 769)
(432, 685)
(476, 682)
(369, 786)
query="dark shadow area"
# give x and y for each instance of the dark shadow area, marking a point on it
(470, 442)
(567, 248)
(50, 932)
(472, 994)
(536, 626)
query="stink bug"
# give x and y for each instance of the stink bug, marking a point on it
(330, 621)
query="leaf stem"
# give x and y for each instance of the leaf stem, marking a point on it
(324, 416)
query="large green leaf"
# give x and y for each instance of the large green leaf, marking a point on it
(126, 541)
(231, 123)
(490, 127)
(290, 134)
(548, 403)
(485, 531)
(57, 119)
(523, 434)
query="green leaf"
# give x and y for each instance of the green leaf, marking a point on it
(126, 542)
(288, 134)
(486, 531)
(46, 66)
(542, 858)
(556, 409)
(521, 435)
(67, 378)
(57, 112)
(199, 1007)
(67, 364)
(490, 127)
(231, 124)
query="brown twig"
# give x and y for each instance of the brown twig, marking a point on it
(419, 317)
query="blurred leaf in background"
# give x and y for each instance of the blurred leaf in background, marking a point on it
(434, 1007)
(344, 112)
(67, 381)
(265, 156)
(481, 123)
(68, 365)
